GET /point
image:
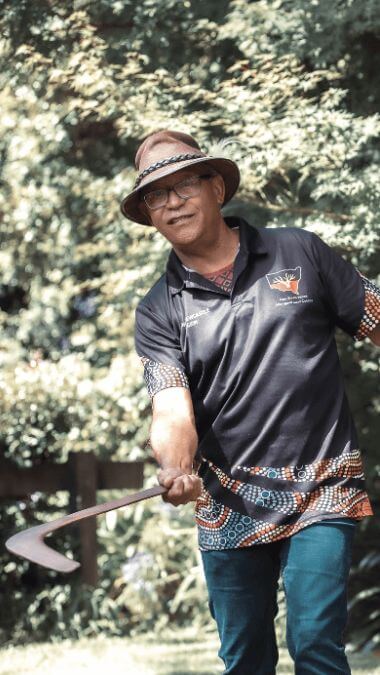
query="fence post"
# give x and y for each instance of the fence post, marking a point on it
(85, 482)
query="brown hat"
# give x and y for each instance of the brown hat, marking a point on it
(165, 152)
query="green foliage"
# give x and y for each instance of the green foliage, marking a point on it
(288, 89)
(150, 578)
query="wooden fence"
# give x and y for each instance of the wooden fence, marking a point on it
(83, 475)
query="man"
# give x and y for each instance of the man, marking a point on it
(250, 418)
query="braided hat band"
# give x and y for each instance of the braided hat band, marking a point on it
(164, 162)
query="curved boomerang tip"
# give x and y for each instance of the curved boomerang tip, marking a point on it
(20, 545)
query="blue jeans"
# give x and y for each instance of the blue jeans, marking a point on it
(242, 586)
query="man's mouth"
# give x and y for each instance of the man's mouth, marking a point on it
(180, 219)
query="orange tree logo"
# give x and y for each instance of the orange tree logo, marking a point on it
(285, 280)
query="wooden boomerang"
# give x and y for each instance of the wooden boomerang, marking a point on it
(30, 543)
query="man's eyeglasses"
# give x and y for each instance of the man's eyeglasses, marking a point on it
(190, 187)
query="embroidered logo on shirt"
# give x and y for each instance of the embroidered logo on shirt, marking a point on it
(285, 280)
(193, 319)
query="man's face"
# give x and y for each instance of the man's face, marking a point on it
(186, 221)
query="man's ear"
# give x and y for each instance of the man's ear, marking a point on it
(219, 188)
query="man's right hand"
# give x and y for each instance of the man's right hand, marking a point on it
(182, 487)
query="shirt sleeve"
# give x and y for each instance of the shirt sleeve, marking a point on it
(371, 313)
(159, 350)
(354, 300)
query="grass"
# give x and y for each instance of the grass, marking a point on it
(180, 653)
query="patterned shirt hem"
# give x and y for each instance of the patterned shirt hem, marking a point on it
(276, 512)
(227, 529)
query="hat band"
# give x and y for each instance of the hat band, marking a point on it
(164, 162)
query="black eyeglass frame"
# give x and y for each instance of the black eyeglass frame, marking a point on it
(169, 189)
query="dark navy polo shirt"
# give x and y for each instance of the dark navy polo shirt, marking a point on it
(277, 444)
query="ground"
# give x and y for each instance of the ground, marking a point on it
(178, 654)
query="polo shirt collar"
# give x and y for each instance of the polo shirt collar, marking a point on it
(251, 243)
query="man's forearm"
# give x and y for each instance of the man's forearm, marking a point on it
(174, 442)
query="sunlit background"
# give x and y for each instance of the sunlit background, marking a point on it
(291, 91)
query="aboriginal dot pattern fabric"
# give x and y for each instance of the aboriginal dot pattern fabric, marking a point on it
(347, 465)
(371, 316)
(287, 502)
(220, 527)
(222, 278)
(161, 376)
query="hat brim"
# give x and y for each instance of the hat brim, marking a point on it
(227, 168)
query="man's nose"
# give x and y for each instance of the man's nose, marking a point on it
(173, 199)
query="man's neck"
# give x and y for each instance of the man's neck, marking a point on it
(213, 255)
